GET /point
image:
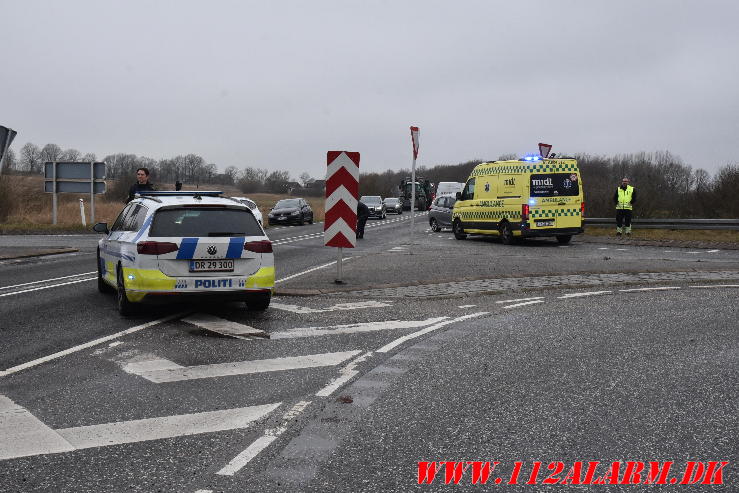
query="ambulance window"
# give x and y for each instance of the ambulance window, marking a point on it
(555, 185)
(469, 190)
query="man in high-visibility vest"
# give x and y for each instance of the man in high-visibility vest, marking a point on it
(625, 197)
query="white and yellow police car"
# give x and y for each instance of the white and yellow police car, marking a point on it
(177, 245)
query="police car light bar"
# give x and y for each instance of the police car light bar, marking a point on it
(171, 193)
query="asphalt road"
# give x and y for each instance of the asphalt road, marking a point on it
(601, 360)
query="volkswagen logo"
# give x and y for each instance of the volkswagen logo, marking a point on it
(212, 250)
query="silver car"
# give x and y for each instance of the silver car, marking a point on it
(440, 214)
(393, 205)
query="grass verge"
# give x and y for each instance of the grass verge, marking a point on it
(707, 235)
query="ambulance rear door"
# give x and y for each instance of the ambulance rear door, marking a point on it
(555, 200)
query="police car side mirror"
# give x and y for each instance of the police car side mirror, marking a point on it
(458, 195)
(101, 228)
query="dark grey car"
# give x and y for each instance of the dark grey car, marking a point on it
(375, 205)
(290, 211)
(440, 214)
(393, 205)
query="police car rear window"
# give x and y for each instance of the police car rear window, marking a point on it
(194, 221)
(555, 185)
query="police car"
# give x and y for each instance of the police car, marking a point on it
(177, 245)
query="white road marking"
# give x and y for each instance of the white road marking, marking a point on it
(48, 280)
(666, 288)
(713, 251)
(203, 491)
(142, 363)
(341, 306)
(270, 435)
(522, 299)
(90, 344)
(114, 344)
(47, 287)
(580, 295)
(310, 270)
(353, 328)
(466, 306)
(178, 373)
(346, 373)
(140, 430)
(534, 302)
(603, 248)
(25, 435)
(693, 252)
(223, 326)
(401, 340)
(717, 286)
(622, 249)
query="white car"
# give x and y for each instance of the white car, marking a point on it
(251, 205)
(176, 245)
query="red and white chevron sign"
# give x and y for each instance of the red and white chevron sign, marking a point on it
(342, 193)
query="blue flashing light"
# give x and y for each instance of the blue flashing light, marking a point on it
(532, 201)
(131, 277)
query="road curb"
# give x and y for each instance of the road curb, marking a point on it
(38, 253)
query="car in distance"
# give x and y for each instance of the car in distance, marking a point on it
(251, 205)
(375, 205)
(182, 245)
(393, 205)
(440, 214)
(290, 211)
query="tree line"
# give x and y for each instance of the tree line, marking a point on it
(666, 186)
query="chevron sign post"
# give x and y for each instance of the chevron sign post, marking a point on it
(342, 192)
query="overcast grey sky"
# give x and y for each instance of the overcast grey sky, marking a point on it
(276, 84)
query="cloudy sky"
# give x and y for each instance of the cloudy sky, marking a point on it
(276, 84)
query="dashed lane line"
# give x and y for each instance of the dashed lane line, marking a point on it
(522, 299)
(636, 290)
(400, 340)
(580, 295)
(525, 303)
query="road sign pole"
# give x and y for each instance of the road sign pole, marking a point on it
(53, 197)
(413, 200)
(92, 192)
(339, 273)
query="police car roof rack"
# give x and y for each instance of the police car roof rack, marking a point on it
(148, 198)
(196, 194)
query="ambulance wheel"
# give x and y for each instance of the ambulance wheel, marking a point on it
(435, 226)
(564, 239)
(506, 234)
(103, 286)
(125, 307)
(258, 302)
(458, 230)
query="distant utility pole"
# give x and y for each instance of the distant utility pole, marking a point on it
(414, 139)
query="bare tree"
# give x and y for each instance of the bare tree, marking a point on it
(51, 153)
(231, 172)
(9, 162)
(70, 155)
(304, 178)
(89, 158)
(31, 158)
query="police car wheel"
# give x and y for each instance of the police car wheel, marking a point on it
(564, 239)
(258, 302)
(458, 230)
(435, 226)
(506, 234)
(125, 307)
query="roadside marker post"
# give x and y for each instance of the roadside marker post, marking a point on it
(342, 194)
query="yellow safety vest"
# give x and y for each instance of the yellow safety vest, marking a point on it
(624, 197)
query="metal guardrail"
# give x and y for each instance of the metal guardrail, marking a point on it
(717, 224)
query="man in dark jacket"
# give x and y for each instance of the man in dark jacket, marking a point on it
(362, 215)
(142, 184)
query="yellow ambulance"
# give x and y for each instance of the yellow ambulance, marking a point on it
(532, 197)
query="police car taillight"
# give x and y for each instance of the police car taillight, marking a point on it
(525, 212)
(261, 246)
(156, 247)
